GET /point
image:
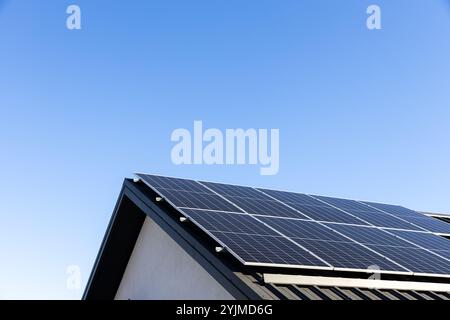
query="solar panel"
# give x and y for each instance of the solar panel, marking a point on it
(166, 183)
(349, 255)
(421, 221)
(370, 235)
(370, 215)
(284, 229)
(338, 250)
(312, 208)
(251, 240)
(431, 224)
(252, 201)
(420, 261)
(392, 244)
(229, 222)
(268, 250)
(384, 220)
(345, 204)
(234, 191)
(184, 193)
(424, 239)
(443, 253)
(265, 207)
(303, 229)
(393, 209)
(186, 199)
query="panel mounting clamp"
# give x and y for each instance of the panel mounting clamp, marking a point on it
(220, 249)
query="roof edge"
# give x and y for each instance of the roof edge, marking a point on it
(135, 204)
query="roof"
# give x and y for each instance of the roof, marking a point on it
(136, 201)
(299, 292)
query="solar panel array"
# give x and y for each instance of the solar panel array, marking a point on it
(274, 228)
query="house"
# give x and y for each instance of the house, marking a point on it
(151, 251)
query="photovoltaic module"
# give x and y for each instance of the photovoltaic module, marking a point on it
(263, 227)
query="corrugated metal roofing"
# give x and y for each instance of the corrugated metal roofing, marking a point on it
(269, 291)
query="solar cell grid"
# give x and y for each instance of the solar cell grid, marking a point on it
(253, 201)
(443, 253)
(266, 240)
(292, 197)
(416, 260)
(394, 209)
(326, 213)
(234, 191)
(185, 199)
(348, 255)
(383, 220)
(372, 215)
(174, 184)
(370, 235)
(424, 240)
(421, 221)
(345, 204)
(313, 208)
(430, 224)
(229, 222)
(303, 229)
(268, 250)
(265, 207)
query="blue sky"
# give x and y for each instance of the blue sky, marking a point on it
(362, 114)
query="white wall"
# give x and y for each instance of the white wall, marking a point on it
(160, 269)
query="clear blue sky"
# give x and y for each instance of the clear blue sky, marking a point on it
(362, 114)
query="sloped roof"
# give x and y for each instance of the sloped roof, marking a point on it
(136, 202)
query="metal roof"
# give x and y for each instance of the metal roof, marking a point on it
(297, 292)
(136, 202)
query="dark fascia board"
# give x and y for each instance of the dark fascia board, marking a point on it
(115, 251)
(134, 204)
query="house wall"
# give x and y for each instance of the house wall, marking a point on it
(160, 269)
